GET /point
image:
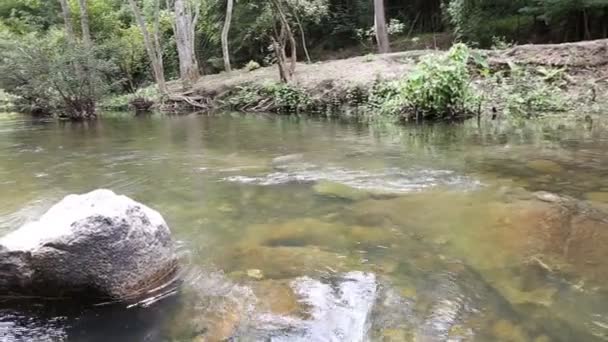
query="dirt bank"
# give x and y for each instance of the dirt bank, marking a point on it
(584, 63)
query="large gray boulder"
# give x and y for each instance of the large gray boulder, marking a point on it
(97, 245)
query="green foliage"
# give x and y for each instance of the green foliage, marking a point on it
(478, 22)
(501, 43)
(48, 75)
(439, 89)
(275, 97)
(528, 93)
(381, 92)
(125, 101)
(6, 101)
(394, 27)
(288, 98)
(252, 65)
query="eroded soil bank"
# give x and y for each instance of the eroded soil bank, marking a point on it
(335, 85)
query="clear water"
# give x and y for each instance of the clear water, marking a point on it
(445, 217)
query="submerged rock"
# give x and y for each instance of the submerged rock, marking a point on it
(284, 262)
(339, 310)
(337, 190)
(96, 245)
(544, 165)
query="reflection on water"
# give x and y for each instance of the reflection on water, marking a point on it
(316, 230)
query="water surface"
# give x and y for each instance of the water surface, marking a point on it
(446, 220)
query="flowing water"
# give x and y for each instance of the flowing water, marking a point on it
(297, 229)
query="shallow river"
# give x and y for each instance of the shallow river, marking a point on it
(295, 229)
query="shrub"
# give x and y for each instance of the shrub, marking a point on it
(438, 89)
(50, 76)
(528, 92)
(252, 65)
(142, 99)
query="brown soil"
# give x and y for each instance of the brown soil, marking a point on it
(585, 62)
(587, 54)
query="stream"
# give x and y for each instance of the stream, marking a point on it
(303, 229)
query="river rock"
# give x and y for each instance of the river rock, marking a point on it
(95, 245)
(545, 166)
(339, 310)
(338, 190)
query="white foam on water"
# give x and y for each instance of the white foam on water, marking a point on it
(391, 180)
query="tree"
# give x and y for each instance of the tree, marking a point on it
(282, 34)
(295, 8)
(225, 31)
(45, 72)
(153, 47)
(84, 23)
(67, 21)
(380, 24)
(186, 16)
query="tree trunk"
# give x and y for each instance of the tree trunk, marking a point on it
(84, 22)
(67, 21)
(184, 38)
(302, 34)
(152, 47)
(225, 31)
(381, 30)
(287, 72)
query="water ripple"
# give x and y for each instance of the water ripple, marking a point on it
(391, 180)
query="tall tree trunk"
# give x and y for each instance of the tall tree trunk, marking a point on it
(380, 24)
(303, 36)
(152, 46)
(225, 31)
(84, 22)
(285, 34)
(185, 22)
(67, 22)
(301, 29)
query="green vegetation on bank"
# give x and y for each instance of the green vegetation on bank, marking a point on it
(448, 86)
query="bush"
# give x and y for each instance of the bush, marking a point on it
(438, 89)
(252, 65)
(143, 97)
(526, 92)
(50, 76)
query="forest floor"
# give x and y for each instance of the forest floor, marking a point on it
(585, 65)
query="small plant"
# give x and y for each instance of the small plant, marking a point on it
(501, 43)
(370, 57)
(528, 92)
(252, 65)
(381, 92)
(288, 98)
(142, 100)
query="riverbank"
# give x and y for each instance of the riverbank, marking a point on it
(522, 81)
